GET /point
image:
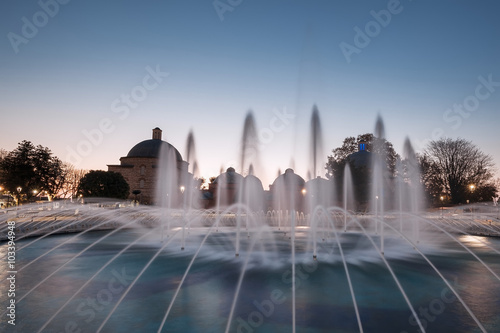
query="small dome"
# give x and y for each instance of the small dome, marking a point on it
(289, 178)
(229, 177)
(151, 148)
(253, 193)
(320, 187)
(253, 183)
(318, 182)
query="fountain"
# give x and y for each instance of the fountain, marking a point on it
(305, 265)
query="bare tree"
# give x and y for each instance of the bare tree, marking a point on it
(451, 166)
(71, 180)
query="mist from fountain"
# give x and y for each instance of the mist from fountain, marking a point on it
(305, 265)
(348, 193)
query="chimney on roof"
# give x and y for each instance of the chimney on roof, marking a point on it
(156, 133)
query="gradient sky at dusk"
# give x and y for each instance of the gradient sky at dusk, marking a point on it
(266, 56)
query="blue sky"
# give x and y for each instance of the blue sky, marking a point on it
(272, 57)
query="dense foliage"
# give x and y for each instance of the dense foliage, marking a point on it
(29, 170)
(104, 184)
(337, 160)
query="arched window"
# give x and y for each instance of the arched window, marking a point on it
(141, 183)
(143, 170)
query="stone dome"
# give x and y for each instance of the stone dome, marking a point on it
(319, 183)
(229, 177)
(289, 178)
(151, 148)
(321, 191)
(253, 183)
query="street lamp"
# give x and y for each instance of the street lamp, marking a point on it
(442, 199)
(472, 187)
(182, 188)
(19, 189)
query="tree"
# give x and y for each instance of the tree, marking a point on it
(72, 179)
(31, 169)
(202, 183)
(432, 188)
(450, 166)
(362, 172)
(336, 162)
(104, 184)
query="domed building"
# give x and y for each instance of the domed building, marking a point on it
(225, 191)
(319, 192)
(224, 188)
(140, 166)
(253, 193)
(287, 192)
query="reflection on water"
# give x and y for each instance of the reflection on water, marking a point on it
(476, 241)
(323, 300)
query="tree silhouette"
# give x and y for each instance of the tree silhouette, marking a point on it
(362, 173)
(337, 160)
(104, 184)
(451, 166)
(31, 169)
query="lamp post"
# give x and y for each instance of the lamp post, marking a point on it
(472, 187)
(19, 189)
(442, 208)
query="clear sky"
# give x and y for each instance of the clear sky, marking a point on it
(429, 68)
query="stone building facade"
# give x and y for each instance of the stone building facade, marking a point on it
(140, 167)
